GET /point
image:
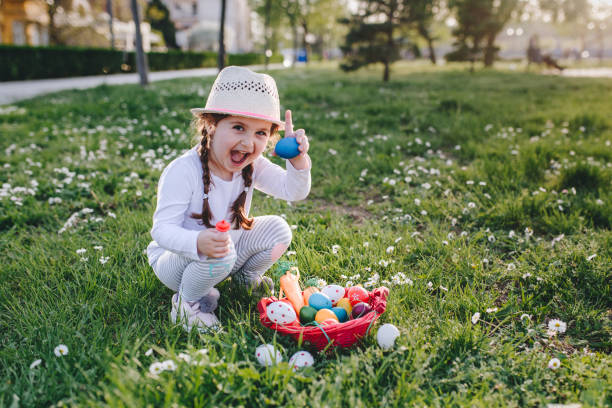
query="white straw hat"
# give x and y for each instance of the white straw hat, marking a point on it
(238, 91)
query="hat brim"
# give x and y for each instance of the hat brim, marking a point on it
(199, 111)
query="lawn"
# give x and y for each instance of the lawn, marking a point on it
(462, 193)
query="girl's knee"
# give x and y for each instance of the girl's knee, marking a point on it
(282, 238)
(281, 229)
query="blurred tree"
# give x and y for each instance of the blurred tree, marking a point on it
(421, 15)
(479, 23)
(272, 14)
(54, 7)
(374, 35)
(158, 15)
(292, 10)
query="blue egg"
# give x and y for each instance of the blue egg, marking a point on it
(340, 313)
(287, 148)
(319, 301)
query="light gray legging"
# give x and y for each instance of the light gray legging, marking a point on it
(256, 251)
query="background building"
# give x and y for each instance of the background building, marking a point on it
(197, 24)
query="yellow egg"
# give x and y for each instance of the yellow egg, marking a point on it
(345, 304)
(325, 314)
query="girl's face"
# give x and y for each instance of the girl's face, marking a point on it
(236, 143)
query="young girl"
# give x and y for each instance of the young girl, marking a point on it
(213, 182)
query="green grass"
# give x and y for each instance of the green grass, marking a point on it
(486, 190)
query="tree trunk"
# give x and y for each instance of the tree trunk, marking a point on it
(425, 34)
(53, 34)
(386, 72)
(489, 52)
(109, 6)
(295, 43)
(267, 32)
(141, 58)
(221, 60)
(304, 42)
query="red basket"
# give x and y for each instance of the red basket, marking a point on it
(341, 334)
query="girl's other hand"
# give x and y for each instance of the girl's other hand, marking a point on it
(301, 161)
(213, 243)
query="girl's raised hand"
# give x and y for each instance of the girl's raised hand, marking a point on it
(301, 161)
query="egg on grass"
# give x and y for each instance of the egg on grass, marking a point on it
(301, 359)
(386, 335)
(268, 355)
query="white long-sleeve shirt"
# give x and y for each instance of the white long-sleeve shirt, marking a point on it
(181, 191)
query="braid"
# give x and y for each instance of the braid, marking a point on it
(205, 125)
(239, 218)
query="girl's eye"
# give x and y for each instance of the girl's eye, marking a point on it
(262, 133)
(238, 127)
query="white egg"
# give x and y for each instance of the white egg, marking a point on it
(267, 355)
(335, 292)
(301, 359)
(280, 313)
(386, 336)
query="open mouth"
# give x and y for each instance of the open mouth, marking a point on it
(238, 157)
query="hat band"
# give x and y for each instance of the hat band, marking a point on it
(235, 112)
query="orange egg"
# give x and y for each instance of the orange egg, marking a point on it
(309, 291)
(325, 314)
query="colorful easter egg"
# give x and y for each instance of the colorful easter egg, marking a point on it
(320, 301)
(345, 304)
(287, 148)
(280, 313)
(325, 314)
(340, 314)
(307, 314)
(329, 322)
(301, 359)
(386, 336)
(335, 292)
(360, 309)
(267, 355)
(357, 294)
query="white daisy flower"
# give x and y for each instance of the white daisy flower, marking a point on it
(525, 316)
(35, 363)
(390, 249)
(591, 257)
(169, 365)
(475, 317)
(81, 251)
(557, 325)
(511, 267)
(104, 259)
(335, 249)
(149, 352)
(156, 368)
(61, 350)
(491, 310)
(185, 357)
(366, 244)
(554, 363)
(491, 238)
(98, 247)
(291, 253)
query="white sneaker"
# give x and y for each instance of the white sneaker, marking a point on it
(190, 315)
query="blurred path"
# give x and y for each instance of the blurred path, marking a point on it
(17, 90)
(588, 72)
